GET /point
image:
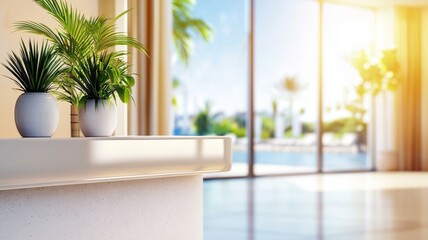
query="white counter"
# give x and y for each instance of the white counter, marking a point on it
(107, 188)
(27, 163)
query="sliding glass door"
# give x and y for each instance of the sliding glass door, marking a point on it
(346, 109)
(210, 85)
(286, 75)
(307, 111)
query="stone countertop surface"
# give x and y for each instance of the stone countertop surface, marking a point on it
(42, 162)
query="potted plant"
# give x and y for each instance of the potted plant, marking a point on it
(101, 78)
(77, 40)
(34, 71)
(379, 74)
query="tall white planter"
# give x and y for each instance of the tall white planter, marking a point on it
(98, 120)
(36, 115)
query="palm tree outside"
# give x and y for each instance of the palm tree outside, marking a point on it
(185, 29)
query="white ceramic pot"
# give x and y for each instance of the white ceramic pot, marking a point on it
(36, 115)
(99, 121)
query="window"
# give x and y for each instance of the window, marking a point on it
(346, 114)
(286, 83)
(211, 89)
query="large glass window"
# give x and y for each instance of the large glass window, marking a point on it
(346, 110)
(286, 77)
(210, 90)
(211, 82)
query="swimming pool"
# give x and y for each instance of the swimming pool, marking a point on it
(336, 161)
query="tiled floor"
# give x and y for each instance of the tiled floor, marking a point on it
(331, 206)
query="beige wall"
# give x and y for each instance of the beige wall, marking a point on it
(10, 12)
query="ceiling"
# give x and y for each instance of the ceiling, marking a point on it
(382, 3)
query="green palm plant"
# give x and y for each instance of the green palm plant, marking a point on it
(183, 26)
(103, 77)
(77, 38)
(69, 93)
(34, 69)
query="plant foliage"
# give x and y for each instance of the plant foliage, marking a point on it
(102, 77)
(184, 25)
(78, 36)
(378, 71)
(82, 41)
(34, 68)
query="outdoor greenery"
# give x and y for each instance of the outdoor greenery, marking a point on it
(185, 26)
(338, 126)
(80, 40)
(176, 84)
(228, 126)
(207, 123)
(34, 68)
(204, 120)
(377, 74)
(344, 125)
(268, 127)
(217, 127)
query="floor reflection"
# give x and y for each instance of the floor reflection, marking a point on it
(331, 206)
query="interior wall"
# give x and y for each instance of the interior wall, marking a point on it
(18, 10)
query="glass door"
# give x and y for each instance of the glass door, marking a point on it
(286, 77)
(210, 84)
(346, 108)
